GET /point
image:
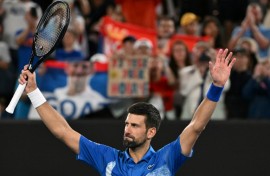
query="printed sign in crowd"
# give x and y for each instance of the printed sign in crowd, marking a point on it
(128, 77)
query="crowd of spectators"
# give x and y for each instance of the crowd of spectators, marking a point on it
(75, 77)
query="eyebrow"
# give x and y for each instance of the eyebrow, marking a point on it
(132, 123)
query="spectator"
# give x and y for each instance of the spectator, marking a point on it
(241, 73)
(72, 100)
(179, 58)
(127, 50)
(143, 46)
(24, 37)
(257, 92)
(14, 20)
(230, 13)
(127, 47)
(194, 91)
(77, 22)
(252, 27)
(7, 79)
(57, 76)
(77, 92)
(98, 9)
(252, 47)
(140, 12)
(165, 30)
(83, 6)
(211, 27)
(189, 24)
(114, 11)
(162, 87)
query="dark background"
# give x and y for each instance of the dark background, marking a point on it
(229, 148)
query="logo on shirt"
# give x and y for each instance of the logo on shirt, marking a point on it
(150, 166)
(110, 167)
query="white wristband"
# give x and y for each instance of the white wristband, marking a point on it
(36, 98)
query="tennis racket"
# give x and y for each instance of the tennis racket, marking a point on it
(49, 32)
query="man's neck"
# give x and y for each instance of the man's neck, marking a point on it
(138, 153)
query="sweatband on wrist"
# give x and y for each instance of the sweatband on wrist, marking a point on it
(36, 98)
(214, 93)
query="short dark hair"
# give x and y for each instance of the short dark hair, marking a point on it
(129, 38)
(153, 118)
(242, 51)
(165, 18)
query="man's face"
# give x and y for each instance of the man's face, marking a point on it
(135, 134)
(242, 62)
(192, 28)
(31, 21)
(166, 28)
(128, 47)
(144, 50)
(69, 39)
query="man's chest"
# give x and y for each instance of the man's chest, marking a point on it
(139, 169)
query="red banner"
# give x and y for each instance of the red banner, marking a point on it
(114, 32)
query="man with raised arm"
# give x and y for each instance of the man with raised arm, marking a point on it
(141, 125)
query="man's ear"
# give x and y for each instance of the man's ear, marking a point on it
(151, 132)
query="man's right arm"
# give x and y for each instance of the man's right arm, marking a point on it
(59, 126)
(51, 118)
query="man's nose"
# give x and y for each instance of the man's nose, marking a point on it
(127, 129)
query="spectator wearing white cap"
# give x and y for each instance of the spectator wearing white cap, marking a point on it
(143, 46)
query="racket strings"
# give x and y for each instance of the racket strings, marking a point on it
(50, 30)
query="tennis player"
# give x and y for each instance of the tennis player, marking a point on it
(141, 125)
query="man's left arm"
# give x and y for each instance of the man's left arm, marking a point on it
(220, 72)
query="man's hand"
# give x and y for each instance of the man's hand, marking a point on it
(28, 78)
(220, 70)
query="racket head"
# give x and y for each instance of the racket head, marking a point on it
(51, 29)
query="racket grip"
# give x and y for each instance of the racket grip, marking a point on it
(17, 95)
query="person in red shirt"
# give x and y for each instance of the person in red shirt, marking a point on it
(140, 12)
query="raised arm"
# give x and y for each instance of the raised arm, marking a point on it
(51, 118)
(220, 72)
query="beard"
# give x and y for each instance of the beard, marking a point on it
(130, 142)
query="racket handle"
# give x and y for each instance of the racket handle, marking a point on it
(17, 95)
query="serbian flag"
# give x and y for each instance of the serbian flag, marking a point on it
(113, 33)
